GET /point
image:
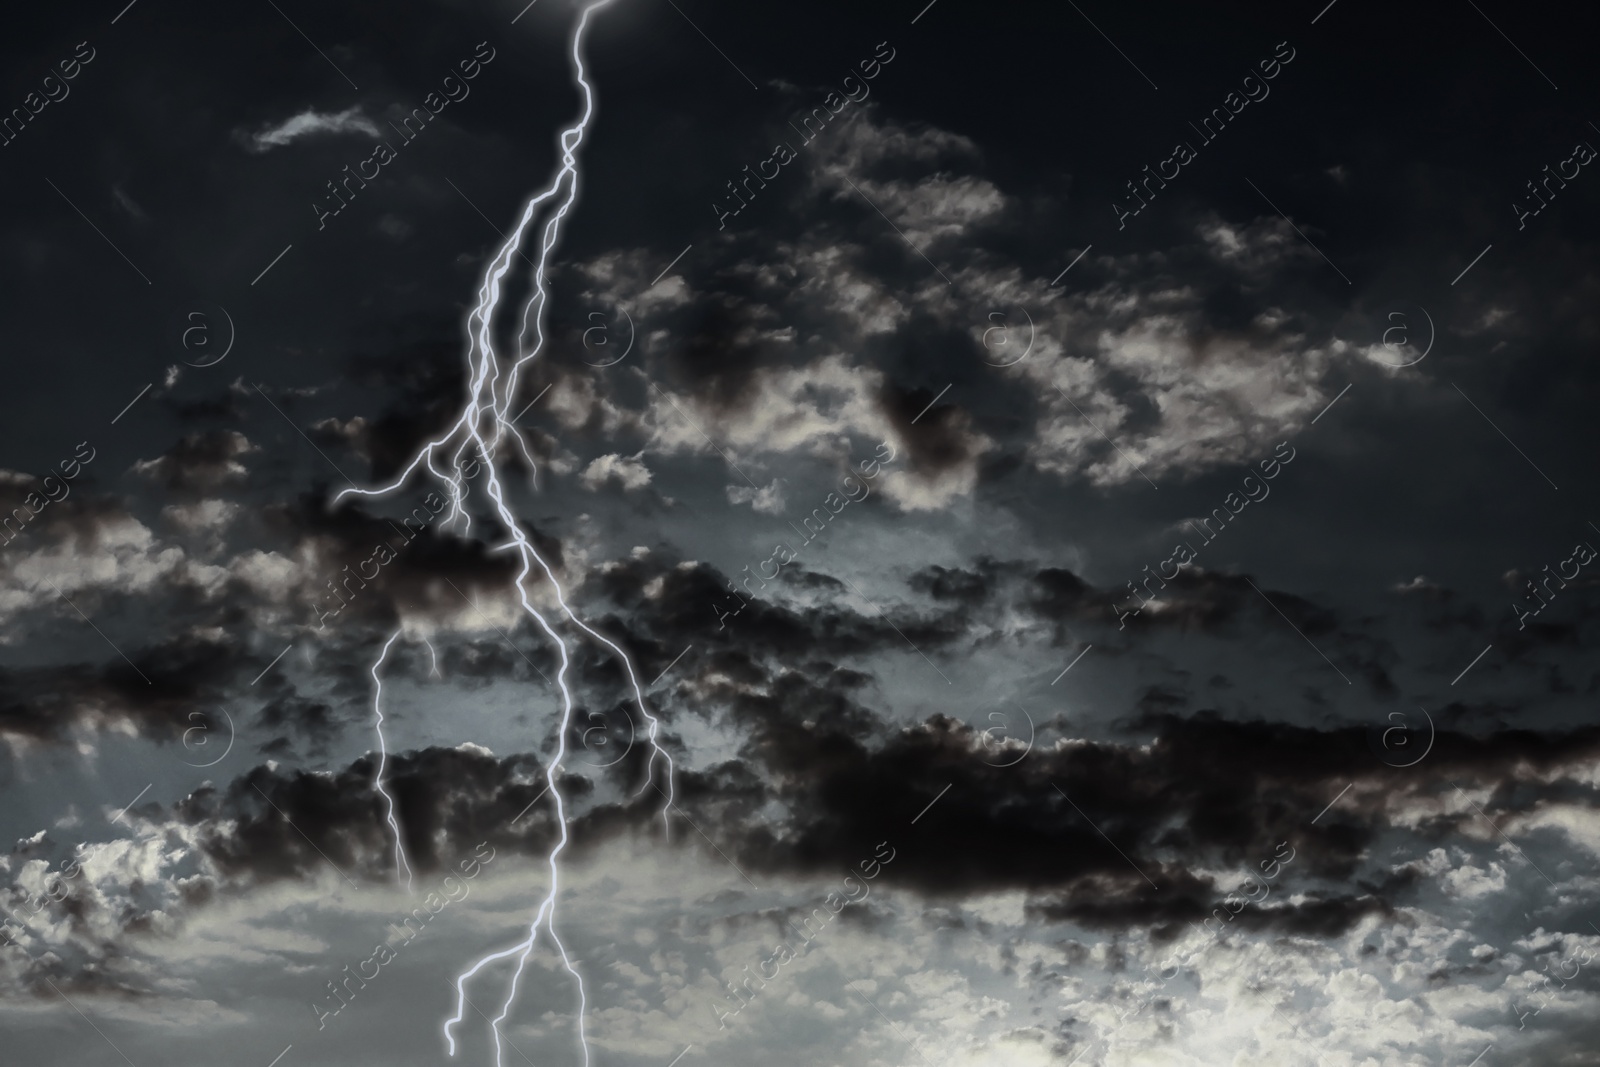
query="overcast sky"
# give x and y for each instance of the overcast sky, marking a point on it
(926, 535)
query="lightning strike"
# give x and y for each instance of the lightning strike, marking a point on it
(481, 430)
(401, 866)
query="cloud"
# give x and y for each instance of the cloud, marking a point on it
(764, 501)
(931, 206)
(103, 555)
(1148, 368)
(200, 461)
(1261, 246)
(204, 516)
(627, 472)
(821, 409)
(312, 123)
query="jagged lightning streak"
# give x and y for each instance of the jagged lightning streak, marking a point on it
(383, 758)
(489, 399)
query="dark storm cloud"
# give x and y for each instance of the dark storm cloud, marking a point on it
(1400, 185)
(350, 526)
(950, 608)
(270, 825)
(154, 694)
(1186, 798)
(1206, 792)
(301, 721)
(224, 405)
(1057, 594)
(724, 344)
(200, 462)
(685, 609)
(968, 588)
(939, 440)
(1220, 604)
(81, 517)
(1439, 609)
(376, 567)
(201, 658)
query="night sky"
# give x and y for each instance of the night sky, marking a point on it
(673, 532)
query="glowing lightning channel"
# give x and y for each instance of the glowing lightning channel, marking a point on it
(383, 758)
(490, 399)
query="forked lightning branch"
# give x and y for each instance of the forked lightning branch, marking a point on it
(482, 429)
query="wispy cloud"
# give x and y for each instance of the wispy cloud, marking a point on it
(310, 124)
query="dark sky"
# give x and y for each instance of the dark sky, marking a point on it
(1149, 446)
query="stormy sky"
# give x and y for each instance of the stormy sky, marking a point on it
(672, 532)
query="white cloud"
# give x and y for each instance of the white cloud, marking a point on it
(925, 208)
(1262, 245)
(312, 123)
(765, 501)
(204, 462)
(118, 555)
(1471, 882)
(819, 409)
(1170, 394)
(626, 471)
(203, 516)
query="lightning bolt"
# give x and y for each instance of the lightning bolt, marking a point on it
(383, 758)
(482, 428)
